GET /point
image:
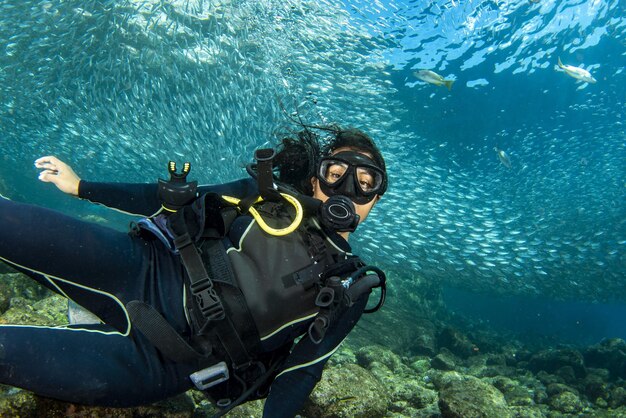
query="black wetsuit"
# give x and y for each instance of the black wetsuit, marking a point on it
(101, 269)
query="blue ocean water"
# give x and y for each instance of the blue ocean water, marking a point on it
(540, 321)
(119, 88)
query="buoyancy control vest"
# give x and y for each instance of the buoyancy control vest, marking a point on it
(245, 287)
(280, 277)
(266, 284)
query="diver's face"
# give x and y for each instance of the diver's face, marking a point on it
(361, 209)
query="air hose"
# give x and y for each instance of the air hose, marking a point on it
(264, 226)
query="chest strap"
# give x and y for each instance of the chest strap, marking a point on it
(201, 284)
(205, 295)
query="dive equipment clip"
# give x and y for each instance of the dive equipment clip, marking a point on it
(211, 376)
(339, 294)
(177, 192)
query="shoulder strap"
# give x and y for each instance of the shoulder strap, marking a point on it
(201, 285)
(209, 217)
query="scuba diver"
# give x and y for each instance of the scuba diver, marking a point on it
(212, 289)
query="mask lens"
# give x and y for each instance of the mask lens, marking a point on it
(368, 179)
(332, 171)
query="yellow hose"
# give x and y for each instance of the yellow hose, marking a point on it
(264, 226)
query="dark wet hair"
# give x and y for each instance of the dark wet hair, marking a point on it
(354, 138)
(296, 160)
(299, 154)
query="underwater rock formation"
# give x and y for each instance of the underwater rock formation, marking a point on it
(553, 361)
(502, 379)
(469, 396)
(609, 354)
(458, 343)
(348, 391)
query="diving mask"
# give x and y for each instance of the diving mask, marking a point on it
(351, 174)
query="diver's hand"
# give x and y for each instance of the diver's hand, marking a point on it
(57, 172)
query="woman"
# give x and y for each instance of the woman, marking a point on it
(158, 337)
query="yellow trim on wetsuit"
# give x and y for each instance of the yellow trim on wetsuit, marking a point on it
(50, 278)
(282, 327)
(310, 363)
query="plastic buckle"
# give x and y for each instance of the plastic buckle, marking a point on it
(211, 376)
(208, 301)
(214, 311)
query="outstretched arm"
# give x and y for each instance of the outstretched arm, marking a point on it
(143, 199)
(133, 198)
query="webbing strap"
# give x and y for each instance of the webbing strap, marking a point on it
(232, 344)
(209, 303)
(160, 333)
(201, 284)
(218, 261)
(237, 343)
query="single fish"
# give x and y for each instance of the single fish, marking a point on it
(504, 158)
(433, 78)
(576, 72)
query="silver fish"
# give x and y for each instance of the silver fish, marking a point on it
(503, 157)
(432, 77)
(577, 72)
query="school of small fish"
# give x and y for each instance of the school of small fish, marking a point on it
(134, 83)
(119, 88)
(545, 220)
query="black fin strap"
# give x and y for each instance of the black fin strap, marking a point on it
(160, 333)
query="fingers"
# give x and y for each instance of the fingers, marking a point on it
(48, 159)
(49, 163)
(57, 172)
(48, 176)
(51, 167)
